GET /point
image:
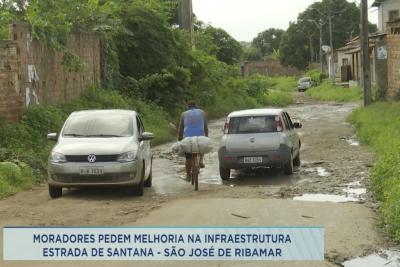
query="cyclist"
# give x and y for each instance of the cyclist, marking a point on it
(192, 123)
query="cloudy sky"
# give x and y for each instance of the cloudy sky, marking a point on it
(243, 19)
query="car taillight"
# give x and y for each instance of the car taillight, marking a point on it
(226, 127)
(279, 124)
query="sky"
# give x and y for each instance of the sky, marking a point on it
(244, 19)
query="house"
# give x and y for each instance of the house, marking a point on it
(349, 61)
(388, 11)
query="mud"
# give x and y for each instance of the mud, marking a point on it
(330, 166)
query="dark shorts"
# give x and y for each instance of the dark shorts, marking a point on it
(188, 156)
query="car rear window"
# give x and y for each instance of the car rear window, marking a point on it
(99, 125)
(252, 124)
(302, 80)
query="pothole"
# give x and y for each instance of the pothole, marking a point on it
(320, 171)
(351, 140)
(326, 198)
(388, 258)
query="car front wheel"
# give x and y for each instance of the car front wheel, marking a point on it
(149, 180)
(55, 191)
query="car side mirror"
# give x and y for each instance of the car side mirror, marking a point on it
(297, 125)
(52, 136)
(146, 136)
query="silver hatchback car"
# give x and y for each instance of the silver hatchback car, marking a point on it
(101, 147)
(259, 138)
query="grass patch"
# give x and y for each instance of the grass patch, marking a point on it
(278, 98)
(329, 92)
(379, 127)
(283, 83)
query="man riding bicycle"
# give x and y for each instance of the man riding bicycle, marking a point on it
(192, 123)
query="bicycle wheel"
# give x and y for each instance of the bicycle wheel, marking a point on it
(195, 171)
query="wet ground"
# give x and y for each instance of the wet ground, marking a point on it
(331, 188)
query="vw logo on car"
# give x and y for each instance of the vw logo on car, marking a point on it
(91, 158)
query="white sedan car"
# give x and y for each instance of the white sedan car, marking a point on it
(259, 138)
(101, 148)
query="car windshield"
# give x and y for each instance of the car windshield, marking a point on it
(252, 124)
(303, 80)
(99, 125)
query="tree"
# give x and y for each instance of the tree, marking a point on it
(218, 42)
(345, 25)
(252, 54)
(294, 49)
(268, 40)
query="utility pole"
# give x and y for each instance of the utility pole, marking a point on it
(366, 66)
(332, 63)
(185, 17)
(319, 26)
(320, 48)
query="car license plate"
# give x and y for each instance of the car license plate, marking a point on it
(91, 170)
(252, 159)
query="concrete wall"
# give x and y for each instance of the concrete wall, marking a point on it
(393, 46)
(269, 67)
(383, 13)
(52, 83)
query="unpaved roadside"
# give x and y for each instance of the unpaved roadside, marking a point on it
(330, 164)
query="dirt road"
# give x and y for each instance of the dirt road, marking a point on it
(333, 175)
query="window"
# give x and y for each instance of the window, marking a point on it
(252, 124)
(288, 122)
(139, 125)
(345, 61)
(99, 125)
(393, 15)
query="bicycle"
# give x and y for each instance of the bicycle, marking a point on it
(195, 169)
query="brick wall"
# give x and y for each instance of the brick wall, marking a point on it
(393, 45)
(269, 67)
(11, 101)
(55, 83)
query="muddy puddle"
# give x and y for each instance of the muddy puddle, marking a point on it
(389, 258)
(351, 140)
(325, 198)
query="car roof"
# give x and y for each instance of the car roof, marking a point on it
(256, 112)
(104, 112)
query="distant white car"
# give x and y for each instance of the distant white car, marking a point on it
(304, 83)
(259, 138)
(101, 147)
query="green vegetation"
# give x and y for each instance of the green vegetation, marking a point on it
(379, 127)
(329, 92)
(283, 83)
(316, 76)
(278, 98)
(150, 67)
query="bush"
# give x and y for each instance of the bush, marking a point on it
(14, 177)
(277, 98)
(283, 83)
(378, 126)
(316, 76)
(329, 92)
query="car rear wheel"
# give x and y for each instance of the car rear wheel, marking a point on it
(55, 192)
(224, 173)
(289, 166)
(296, 161)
